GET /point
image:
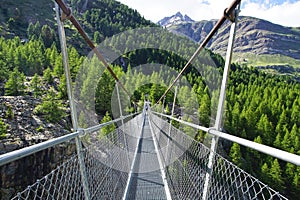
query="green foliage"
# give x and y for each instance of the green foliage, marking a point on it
(264, 173)
(9, 112)
(235, 154)
(109, 128)
(47, 77)
(40, 129)
(51, 107)
(62, 88)
(204, 110)
(3, 129)
(260, 107)
(36, 86)
(47, 35)
(267, 60)
(167, 110)
(104, 90)
(58, 69)
(187, 129)
(275, 174)
(4, 73)
(111, 17)
(15, 84)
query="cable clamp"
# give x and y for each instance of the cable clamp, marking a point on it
(65, 16)
(81, 132)
(230, 16)
(211, 129)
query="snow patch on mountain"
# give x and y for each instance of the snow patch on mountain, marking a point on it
(178, 18)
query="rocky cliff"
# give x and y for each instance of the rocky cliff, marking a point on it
(25, 129)
(253, 37)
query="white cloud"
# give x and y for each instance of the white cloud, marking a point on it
(286, 13)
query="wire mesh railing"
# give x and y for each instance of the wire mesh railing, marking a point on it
(185, 161)
(107, 160)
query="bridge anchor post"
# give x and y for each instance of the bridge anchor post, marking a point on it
(221, 104)
(82, 167)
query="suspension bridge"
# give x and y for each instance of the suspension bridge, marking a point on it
(146, 156)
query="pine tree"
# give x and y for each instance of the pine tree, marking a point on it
(58, 69)
(15, 84)
(204, 110)
(104, 90)
(275, 175)
(35, 86)
(264, 127)
(295, 118)
(290, 171)
(62, 88)
(47, 77)
(235, 154)
(277, 142)
(295, 138)
(51, 107)
(286, 142)
(109, 128)
(296, 180)
(235, 122)
(265, 172)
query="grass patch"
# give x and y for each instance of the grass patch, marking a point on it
(265, 60)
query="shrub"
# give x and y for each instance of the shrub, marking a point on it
(3, 129)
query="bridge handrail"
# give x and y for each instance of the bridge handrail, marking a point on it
(27, 151)
(277, 153)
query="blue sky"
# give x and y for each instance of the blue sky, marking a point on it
(284, 12)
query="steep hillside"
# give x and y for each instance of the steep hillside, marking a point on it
(260, 107)
(256, 40)
(100, 19)
(15, 16)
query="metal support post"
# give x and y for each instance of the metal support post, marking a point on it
(173, 106)
(163, 105)
(218, 122)
(119, 102)
(172, 113)
(63, 44)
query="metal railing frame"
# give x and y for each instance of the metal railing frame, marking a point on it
(27, 151)
(161, 165)
(134, 160)
(271, 151)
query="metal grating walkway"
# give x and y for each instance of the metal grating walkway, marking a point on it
(146, 180)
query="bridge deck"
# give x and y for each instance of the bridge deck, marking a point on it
(146, 180)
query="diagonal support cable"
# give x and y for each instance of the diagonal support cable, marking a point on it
(68, 15)
(227, 15)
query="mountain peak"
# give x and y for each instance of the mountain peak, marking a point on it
(178, 18)
(178, 14)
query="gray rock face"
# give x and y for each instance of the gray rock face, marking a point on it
(253, 35)
(25, 129)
